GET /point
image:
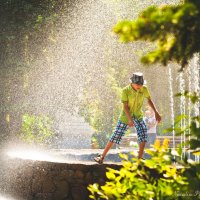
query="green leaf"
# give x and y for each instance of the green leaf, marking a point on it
(197, 153)
(124, 156)
(110, 175)
(39, 19)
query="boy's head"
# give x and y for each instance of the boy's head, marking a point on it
(147, 113)
(137, 79)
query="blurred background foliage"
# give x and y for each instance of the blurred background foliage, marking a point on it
(36, 130)
(26, 29)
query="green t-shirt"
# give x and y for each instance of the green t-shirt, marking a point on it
(135, 101)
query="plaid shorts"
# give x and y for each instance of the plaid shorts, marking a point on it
(121, 129)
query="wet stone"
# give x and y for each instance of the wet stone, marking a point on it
(70, 173)
(101, 181)
(62, 190)
(79, 192)
(79, 174)
(44, 196)
(29, 173)
(95, 174)
(48, 186)
(64, 174)
(88, 177)
(55, 181)
(36, 186)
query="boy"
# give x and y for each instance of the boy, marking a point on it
(151, 123)
(131, 115)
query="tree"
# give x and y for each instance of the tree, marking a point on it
(100, 103)
(175, 28)
(26, 28)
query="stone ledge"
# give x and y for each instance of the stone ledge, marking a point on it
(42, 180)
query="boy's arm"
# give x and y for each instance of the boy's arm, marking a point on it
(157, 115)
(127, 112)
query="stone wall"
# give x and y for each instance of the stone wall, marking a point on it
(39, 180)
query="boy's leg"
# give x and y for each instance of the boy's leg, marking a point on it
(107, 148)
(151, 139)
(99, 159)
(141, 149)
(142, 135)
(116, 137)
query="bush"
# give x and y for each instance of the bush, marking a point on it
(157, 178)
(100, 139)
(36, 129)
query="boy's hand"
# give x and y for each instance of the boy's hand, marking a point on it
(130, 123)
(158, 117)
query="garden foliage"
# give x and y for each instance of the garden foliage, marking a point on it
(157, 178)
(36, 129)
